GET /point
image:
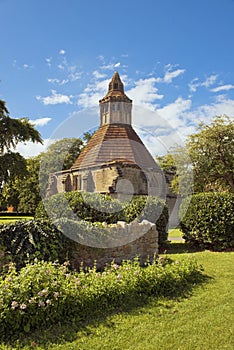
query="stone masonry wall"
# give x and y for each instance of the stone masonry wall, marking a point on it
(145, 248)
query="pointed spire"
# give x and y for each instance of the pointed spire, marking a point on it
(115, 91)
(116, 83)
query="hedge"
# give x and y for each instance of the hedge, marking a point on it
(209, 220)
(94, 207)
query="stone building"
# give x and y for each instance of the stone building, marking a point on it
(115, 161)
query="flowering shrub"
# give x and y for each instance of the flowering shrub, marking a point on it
(45, 293)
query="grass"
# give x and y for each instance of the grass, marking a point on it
(175, 232)
(204, 320)
(10, 219)
(175, 235)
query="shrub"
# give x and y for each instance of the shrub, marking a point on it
(27, 240)
(102, 208)
(46, 293)
(87, 206)
(209, 220)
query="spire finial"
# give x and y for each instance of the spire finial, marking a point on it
(116, 83)
(115, 91)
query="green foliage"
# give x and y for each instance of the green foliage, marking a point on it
(209, 221)
(26, 240)
(42, 294)
(29, 191)
(13, 130)
(211, 150)
(60, 155)
(12, 164)
(149, 208)
(94, 207)
(167, 163)
(23, 192)
(178, 163)
(206, 162)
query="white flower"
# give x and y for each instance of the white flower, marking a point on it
(14, 304)
(23, 306)
(43, 292)
(32, 300)
(56, 295)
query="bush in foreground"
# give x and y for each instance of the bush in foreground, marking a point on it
(23, 241)
(44, 293)
(209, 221)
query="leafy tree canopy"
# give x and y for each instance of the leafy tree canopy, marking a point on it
(207, 159)
(211, 150)
(12, 132)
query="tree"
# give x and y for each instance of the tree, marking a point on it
(178, 165)
(211, 150)
(24, 190)
(12, 132)
(206, 161)
(29, 191)
(167, 163)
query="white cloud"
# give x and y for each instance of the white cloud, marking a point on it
(54, 99)
(194, 84)
(110, 66)
(20, 66)
(145, 93)
(221, 106)
(62, 52)
(31, 149)
(98, 75)
(223, 88)
(74, 75)
(53, 80)
(58, 81)
(48, 61)
(101, 58)
(69, 72)
(143, 117)
(175, 112)
(169, 76)
(93, 93)
(41, 121)
(210, 81)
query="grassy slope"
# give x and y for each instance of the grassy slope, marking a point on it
(202, 321)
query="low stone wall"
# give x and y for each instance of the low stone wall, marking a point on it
(145, 248)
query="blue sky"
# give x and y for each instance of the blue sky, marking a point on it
(174, 56)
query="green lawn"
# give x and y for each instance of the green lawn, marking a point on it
(175, 232)
(204, 320)
(10, 219)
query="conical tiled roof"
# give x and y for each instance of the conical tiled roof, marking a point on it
(115, 143)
